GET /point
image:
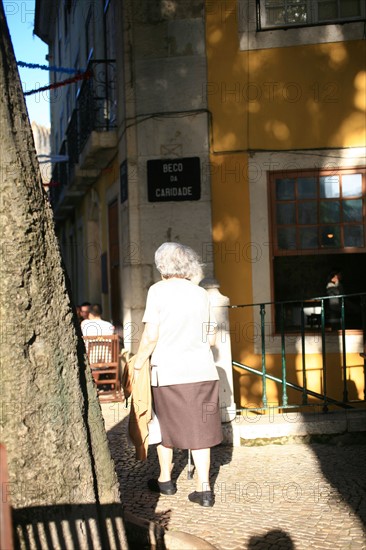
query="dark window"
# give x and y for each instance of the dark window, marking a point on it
(290, 13)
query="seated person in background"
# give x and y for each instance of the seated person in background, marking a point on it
(84, 310)
(78, 314)
(95, 325)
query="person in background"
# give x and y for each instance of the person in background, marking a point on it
(78, 314)
(95, 325)
(179, 332)
(334, 288)
(84, 310)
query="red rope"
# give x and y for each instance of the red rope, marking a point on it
(82, 76)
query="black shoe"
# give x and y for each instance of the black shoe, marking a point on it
(163, 487)
(203, 498)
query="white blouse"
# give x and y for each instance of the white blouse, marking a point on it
(183, 313)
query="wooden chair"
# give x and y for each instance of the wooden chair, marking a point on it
(103, 354)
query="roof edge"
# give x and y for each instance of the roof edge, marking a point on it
(44, 16)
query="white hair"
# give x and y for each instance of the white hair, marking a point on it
(178, 260)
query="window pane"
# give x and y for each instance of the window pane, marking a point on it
(307, 212)
(286, 213)
(306, 188)
(286, 238)
(352, 211)
(275, 16)
(309, 237)
(281, 12)
(327, 10)
(329, 211)
(285, 189)
(352, 185)
(329, 187)
(330, 237)
(350, 8)
(317, 210)
(353, 235)
(296, 13)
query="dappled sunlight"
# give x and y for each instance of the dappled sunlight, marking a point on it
(313, 372)
(355, 156)
(250, 391)
(360, 91)
(254, 107)
(245, 380)
(215, 37)
(254, 60)
(278, 129)
(228, 228)
(256, 387)
(229, 141)
(270, 94)
(351, 132)
(314, 108)
(337, 54)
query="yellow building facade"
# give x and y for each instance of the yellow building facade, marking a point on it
(286, 104)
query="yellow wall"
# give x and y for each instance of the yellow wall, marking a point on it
(295, 97)
(304, 97)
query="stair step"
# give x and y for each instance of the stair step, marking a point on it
(292, 425)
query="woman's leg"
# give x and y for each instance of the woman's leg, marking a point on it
(201, 459)
(165, 455)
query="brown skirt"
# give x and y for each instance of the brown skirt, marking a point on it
(189, 414)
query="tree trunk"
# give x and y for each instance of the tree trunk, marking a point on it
(51, 422)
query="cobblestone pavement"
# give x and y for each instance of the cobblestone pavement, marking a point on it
(293, 496)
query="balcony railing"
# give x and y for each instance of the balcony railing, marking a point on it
(73, 141)
(327, 328)
(97, 100)
(95, 111)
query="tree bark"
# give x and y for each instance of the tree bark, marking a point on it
(51, 421)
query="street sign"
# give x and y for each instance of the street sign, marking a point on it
(176, 179)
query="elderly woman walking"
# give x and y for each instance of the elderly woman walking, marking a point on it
(178, 335)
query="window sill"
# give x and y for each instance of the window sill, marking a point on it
(308, 25)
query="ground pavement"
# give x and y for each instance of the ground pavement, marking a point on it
(293, 496)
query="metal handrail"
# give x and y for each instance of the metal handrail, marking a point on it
(301, 300)
(282, 332)
(293, 386)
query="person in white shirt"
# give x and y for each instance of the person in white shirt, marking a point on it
(179, 332)
(95, 325)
